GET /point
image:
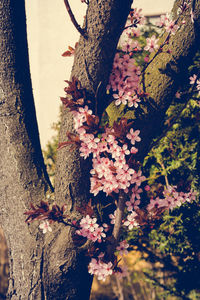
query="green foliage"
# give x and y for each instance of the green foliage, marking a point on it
(176, 154)
(174, 241)
(50, 151)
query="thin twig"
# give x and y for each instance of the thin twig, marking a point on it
(68, 224)
(164, 170)
(119, 216)
(96, 98)
(118, 224)
(78, 27)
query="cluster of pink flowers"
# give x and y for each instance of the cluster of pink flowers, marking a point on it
(134, 201)
(91, 230)
(169, 25)
(171, 200)
(137, 16)
(109, 174)
(124, 80)
(112, 150)
(114, 174)
(122, 248)
(100, 269)
(132, 32)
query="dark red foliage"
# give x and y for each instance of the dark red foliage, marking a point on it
(76, 95)
(121, 129)
(70, 103)
(92, 124)
(86, 209)
(74, 89)
(44, 212)
(73, 139)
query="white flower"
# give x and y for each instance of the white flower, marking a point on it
(44, 226)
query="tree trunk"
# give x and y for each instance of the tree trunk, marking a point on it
(55, 268)
(22, 171)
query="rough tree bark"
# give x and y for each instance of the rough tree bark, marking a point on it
(22, 171)
(54, 268)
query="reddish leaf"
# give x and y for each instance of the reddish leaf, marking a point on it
(86, 209)
(44, 212)
(70, 51)
(67, 53)
(121, 129)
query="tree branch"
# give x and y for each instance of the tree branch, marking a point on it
(77, 26)
(163, 78)
(119, 216)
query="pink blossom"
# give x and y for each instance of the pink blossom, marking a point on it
(171, 27)
(120, 98)
(138, 15)
(117, 61)
(156, 203)
(124, 150)
(133, 101)
(134, 150)
(113, 217)
(137, 178)
(44, 226)
(134, 203)
(131, 222)
(193, 79)
(147, 188)
(90, 229)
(163, 20)
(152, 44)
(120, 162)
(130, 205)
(178, 95)
(127, 46)
(133, 136)
(89, 223)
(136, 192)
(133, 32)
(100, 268)
(84, 150)
(122, 248)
